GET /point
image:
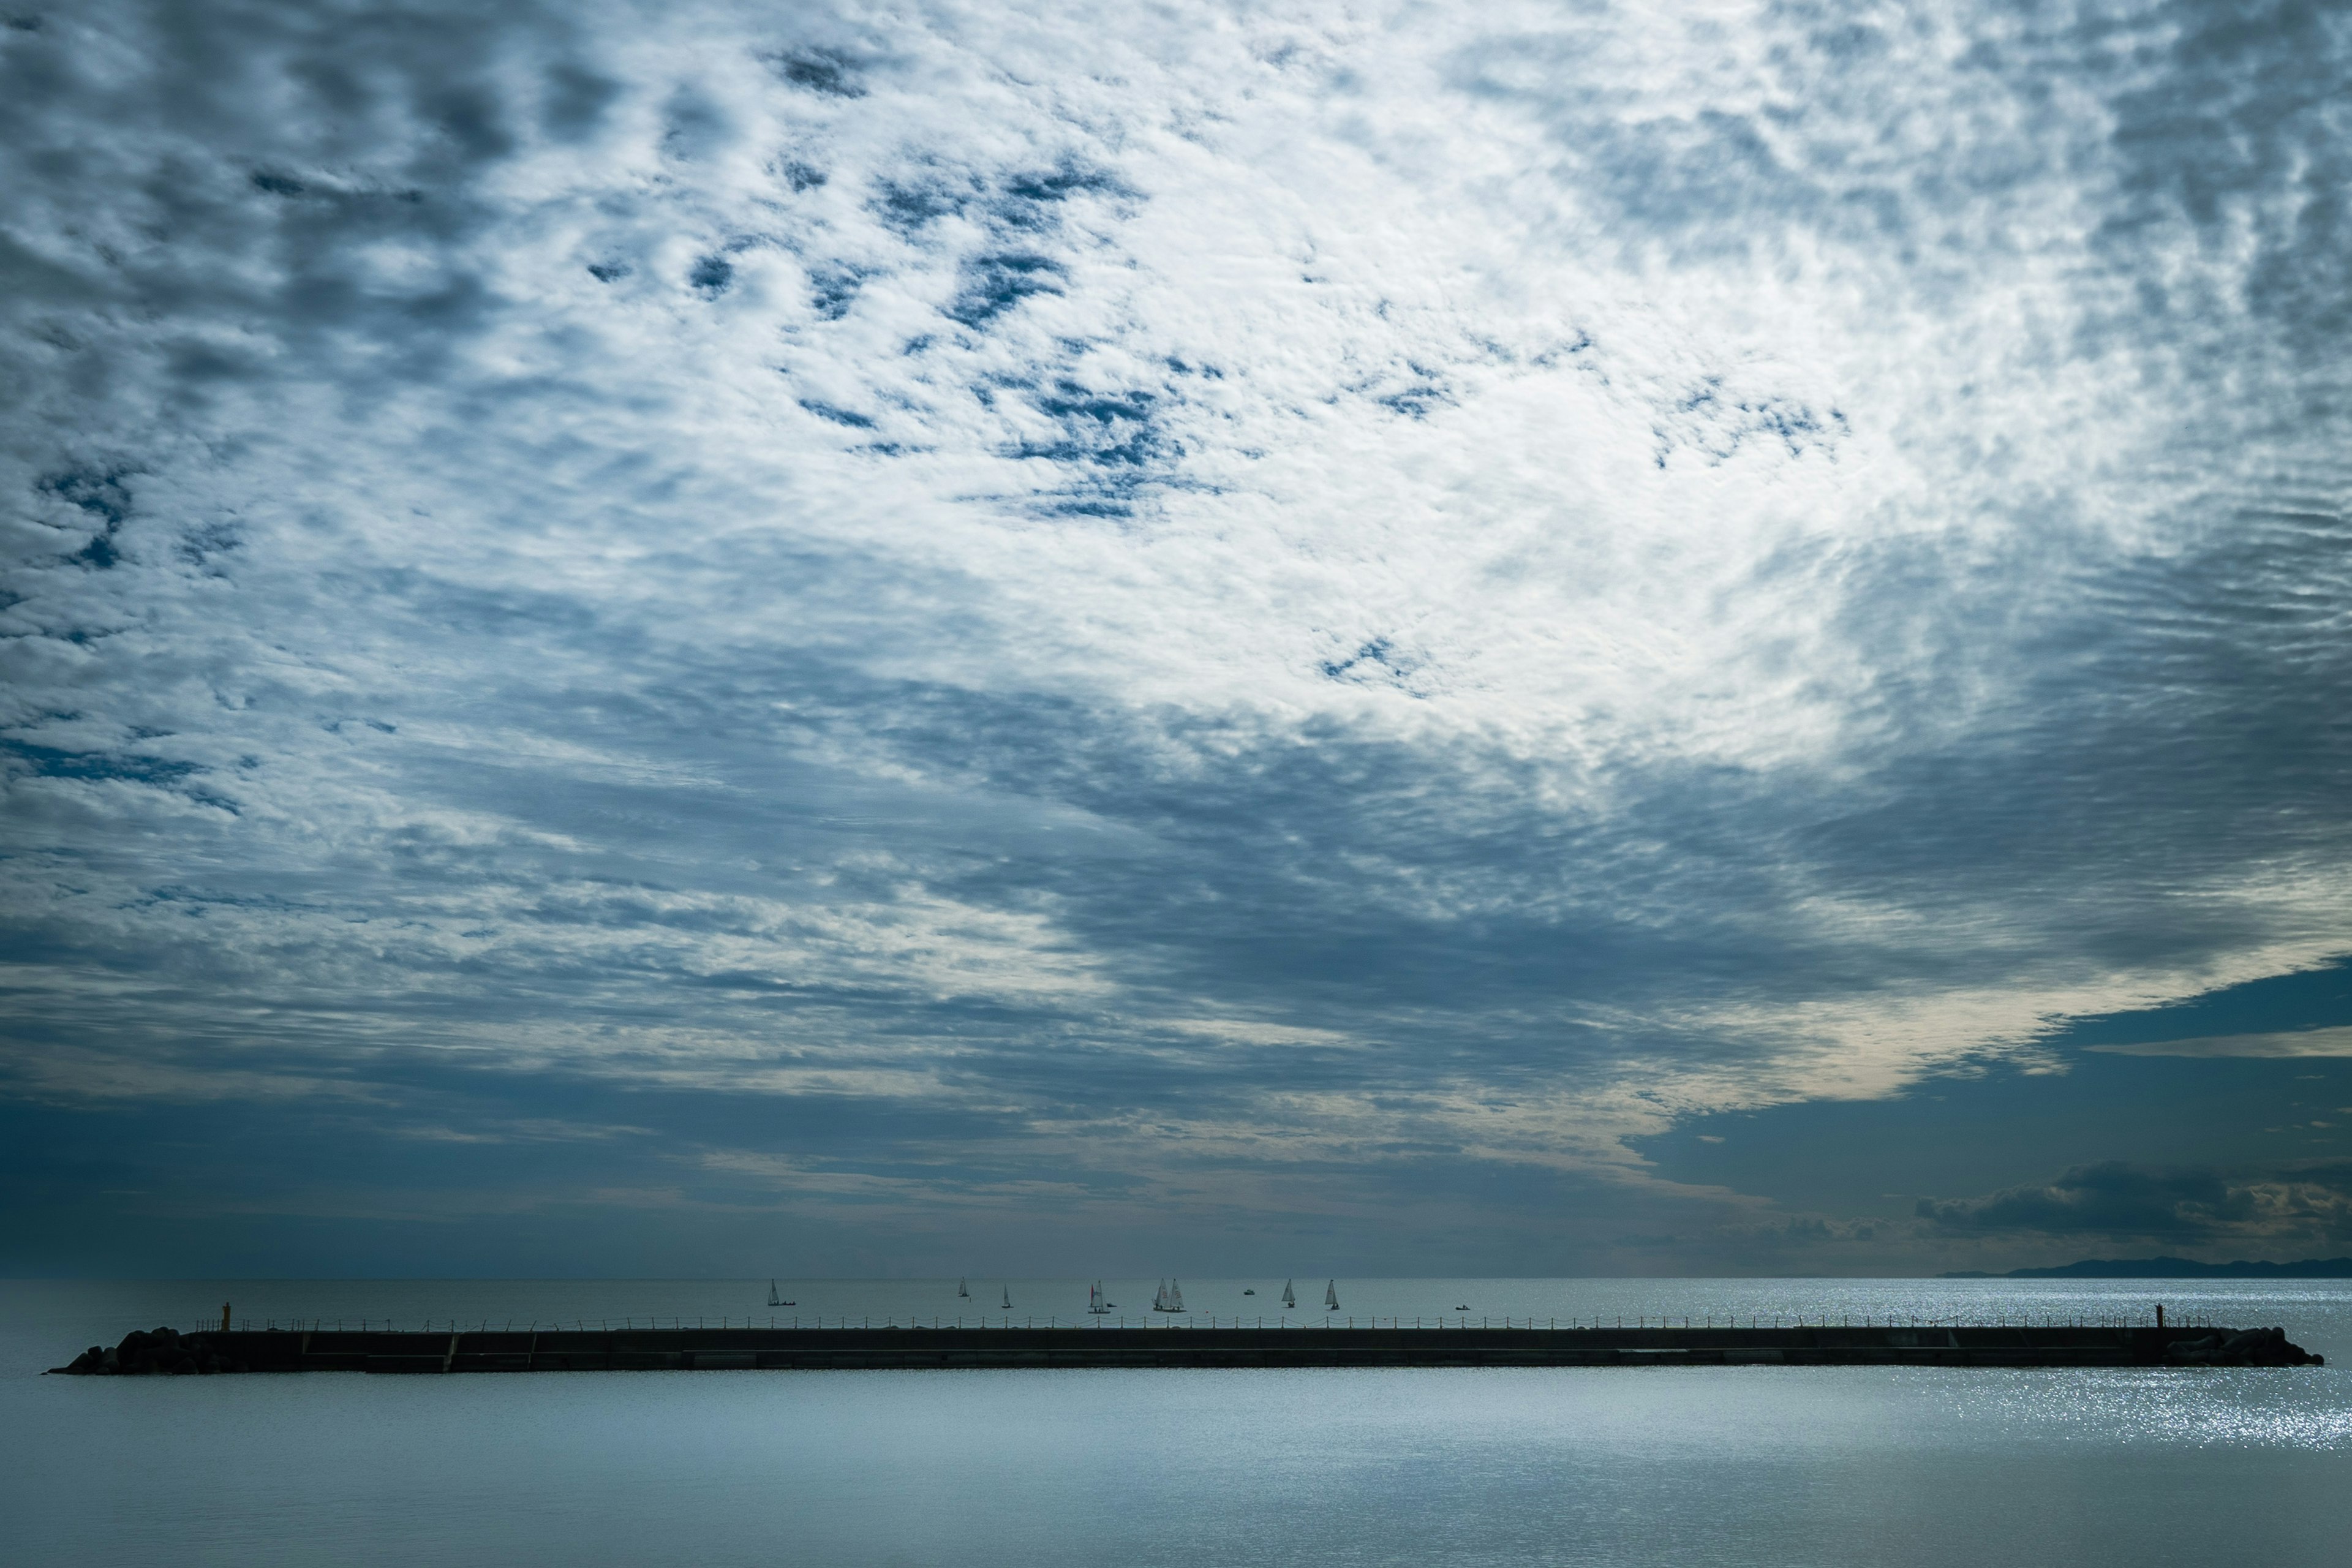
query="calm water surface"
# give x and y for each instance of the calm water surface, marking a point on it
(1736, 1465)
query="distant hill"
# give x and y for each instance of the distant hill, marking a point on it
(2172, 1268)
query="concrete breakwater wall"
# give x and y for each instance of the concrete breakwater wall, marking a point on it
(165, 1352)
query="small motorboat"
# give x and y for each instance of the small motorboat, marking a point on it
(1249, 1292)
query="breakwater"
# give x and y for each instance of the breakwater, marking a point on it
(582, 1347)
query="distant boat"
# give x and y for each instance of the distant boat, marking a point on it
(1249, 1292)
(1331, 1295)
(1008, 1298)
(1094, 1303)
(962, 1289)
(1171, 1298)
(1287, 1298)
(776, 1300)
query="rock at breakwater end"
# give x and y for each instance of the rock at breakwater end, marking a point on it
(153, 1352)
(2255, 1347)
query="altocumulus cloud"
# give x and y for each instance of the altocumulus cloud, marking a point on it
(1197, 618)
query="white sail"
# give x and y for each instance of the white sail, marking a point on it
(1095, 1301)
(773, 1300)
(1288, 1298)
(1175, 1296)
(1160, 1298)
(1331, 1295)
(961, 1288)
(1008, 1298)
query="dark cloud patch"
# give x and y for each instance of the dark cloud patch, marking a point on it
(1229, 844)
(51, 762)
(833, 290)
(911, 203)
(1113, 430)
(823, 71)
(1716, 423)
(1032, 201)
(1423, 391)
(2184, 1206)
(1020, 212)
(989, 285)
(799, 176)
(1375, 663)
(1117, 447)
(711, 276)
(99, 495)
(837, 415)
(1013, 202)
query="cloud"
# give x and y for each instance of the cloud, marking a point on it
(1189, 592)
(2295, 1204)
(2336, 1042)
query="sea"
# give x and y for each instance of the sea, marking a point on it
(1750, 1465)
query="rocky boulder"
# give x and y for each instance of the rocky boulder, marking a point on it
(2249, 1347)
(153, 1352)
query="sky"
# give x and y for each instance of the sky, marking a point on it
(1068, 638)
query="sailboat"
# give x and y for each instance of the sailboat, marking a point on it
(962, 1288)
(1008, 1298)
(1171, 1298)
(1288, 1298)
(1094, 1303)
(1331, 1295)
(774, 1300)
